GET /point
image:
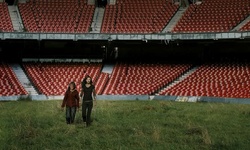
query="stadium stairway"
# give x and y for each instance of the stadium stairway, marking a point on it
(15, 18)
(108, 68)
(112, 2)
(90, 2)
(97, 20)
(179, 79)
(174, 20)
(22, 77)
(239, 26)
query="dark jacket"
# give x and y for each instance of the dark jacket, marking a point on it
(71, 99)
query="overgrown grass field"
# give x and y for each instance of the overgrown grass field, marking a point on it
(126, 125)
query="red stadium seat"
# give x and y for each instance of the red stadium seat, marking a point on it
(5, 21)
(137, 16)
(215, 80)
(211, 15)
(56, 16)
(137, 78)
(9, 83)
(53, 78)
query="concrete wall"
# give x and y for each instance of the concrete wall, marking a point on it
(141, 97)
(91, 2)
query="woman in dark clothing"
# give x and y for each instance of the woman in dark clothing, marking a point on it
(88, 95)
(71, 100)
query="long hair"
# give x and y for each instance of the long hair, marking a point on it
(73, 83)
(85, 80)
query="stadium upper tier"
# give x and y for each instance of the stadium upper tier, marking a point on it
(213, 16)
(67, 16)
(130, 16)
(140, 16)
(5, 21)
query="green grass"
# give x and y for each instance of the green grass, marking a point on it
(126, 125)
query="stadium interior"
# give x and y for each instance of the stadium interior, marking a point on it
(188, 68)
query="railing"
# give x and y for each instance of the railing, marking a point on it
(61, 60)
(117, 36)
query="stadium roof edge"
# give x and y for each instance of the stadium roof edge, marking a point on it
(110, 37)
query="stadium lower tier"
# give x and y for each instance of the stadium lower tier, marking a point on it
(9, 83)
(220, 79)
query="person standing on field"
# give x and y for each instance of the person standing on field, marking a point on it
(71, 100)
(88, 95)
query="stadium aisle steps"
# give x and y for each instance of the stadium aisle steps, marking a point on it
(112, 2)
(181, 78)
(97, 20)
(22, 77)
(91, 2)
(108, 68)
(169, 27)
(239, 26)
(15, 18)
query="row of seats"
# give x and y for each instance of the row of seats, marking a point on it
(9, 83)
(53, 78)
(137, 16)
(142, 79)
(213, 16)
(75, 16)
(5, 21)
(246, 27)
(215, 80)
(101, 83)
(64, 16)
(218, 79)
